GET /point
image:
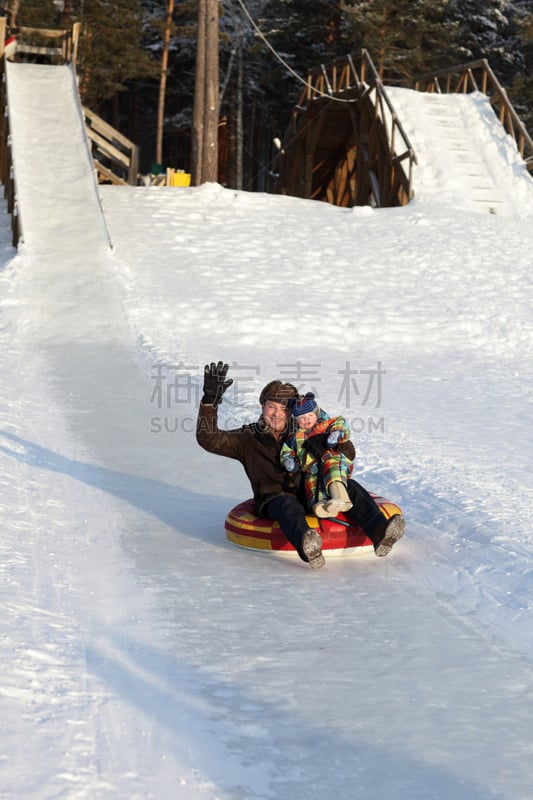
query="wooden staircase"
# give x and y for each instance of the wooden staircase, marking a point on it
(477, 76)
(116, 158)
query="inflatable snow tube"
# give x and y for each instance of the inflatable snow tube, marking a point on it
(339, 536)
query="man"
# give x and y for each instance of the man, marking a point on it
(258, 445)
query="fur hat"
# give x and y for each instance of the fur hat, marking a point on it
(305, 404)
(278, 391)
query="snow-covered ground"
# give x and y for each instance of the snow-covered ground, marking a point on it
(142, 655)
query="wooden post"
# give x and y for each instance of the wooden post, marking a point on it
(163, 83)
(206, 96)
(2, 35)
(210, 148)
(199, 97)
(76, 29)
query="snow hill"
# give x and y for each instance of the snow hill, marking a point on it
(142, 655)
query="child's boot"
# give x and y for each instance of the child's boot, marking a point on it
(321, 510)
(340, 500)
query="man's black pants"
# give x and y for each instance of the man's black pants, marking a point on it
(290, 513)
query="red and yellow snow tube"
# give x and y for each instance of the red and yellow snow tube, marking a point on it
(339, 535)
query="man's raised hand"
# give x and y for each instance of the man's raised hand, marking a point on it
(215, 383)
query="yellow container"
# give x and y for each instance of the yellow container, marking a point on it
(177, 178)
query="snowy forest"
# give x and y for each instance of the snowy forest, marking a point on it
(266, 47)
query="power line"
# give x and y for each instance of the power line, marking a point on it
(282, 60)
(267, 43)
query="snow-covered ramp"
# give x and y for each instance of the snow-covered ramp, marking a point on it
(466, 159)
(53, 167)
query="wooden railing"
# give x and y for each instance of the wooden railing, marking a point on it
(7, 176)
(383, 172)
(342, 79)
(116, 158)
(50, 46)
(477, 76)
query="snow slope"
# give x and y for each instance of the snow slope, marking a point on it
(142, 655)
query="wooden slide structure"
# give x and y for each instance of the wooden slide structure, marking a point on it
(346, 145)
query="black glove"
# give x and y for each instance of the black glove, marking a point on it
(317, 445)
(215, 383)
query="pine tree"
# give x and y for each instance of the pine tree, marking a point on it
(179, 84)
(111, 52)
(486, 30)
(248, 110)
(404, 38)
(36, 13)
(521, 91)
(307, 34)
(303, 35)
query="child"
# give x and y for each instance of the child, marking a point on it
(311, 448)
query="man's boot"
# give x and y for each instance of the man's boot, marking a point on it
(312, 547)
(387, 534)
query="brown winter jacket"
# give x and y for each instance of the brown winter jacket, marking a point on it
(257, 449)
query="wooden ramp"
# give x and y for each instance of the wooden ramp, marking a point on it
(345, 144)
(351, 139)
(466, 160)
